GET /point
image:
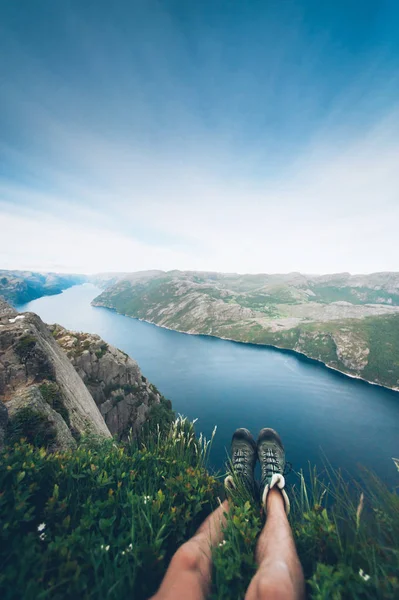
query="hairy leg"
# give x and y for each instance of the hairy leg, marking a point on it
(189, 574)
(279, 575)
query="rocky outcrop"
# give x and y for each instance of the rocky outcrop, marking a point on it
(121, 392)
(29, 356)
(31, 399)
(352, 350)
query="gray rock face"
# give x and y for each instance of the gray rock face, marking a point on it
(32, 398)
(29, 355)
(6, 310)
(3, 422)
(122, 394)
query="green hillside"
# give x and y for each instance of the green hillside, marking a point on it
(104, 520)
(350, 323)
(18, 287)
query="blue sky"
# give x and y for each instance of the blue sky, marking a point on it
(249, 136)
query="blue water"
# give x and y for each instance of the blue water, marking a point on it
(316, 411)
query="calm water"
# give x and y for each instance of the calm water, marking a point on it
(316, 410)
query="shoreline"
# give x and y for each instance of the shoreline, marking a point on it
(296, 353)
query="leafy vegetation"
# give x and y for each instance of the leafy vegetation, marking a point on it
(24, 346)
(103, 521)
(102, 350)
(52, 395)
(33, 426)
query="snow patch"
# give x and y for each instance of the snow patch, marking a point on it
(16, 318)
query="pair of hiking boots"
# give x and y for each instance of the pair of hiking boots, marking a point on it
(269, 450)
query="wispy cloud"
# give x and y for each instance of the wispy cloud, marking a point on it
(147, 154)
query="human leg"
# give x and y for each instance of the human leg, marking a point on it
(279, 574)
(189, 574)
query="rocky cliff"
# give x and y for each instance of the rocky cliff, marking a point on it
(56, 384)
(121, 392)
(36, 374)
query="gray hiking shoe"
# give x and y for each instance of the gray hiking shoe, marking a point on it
(271, 456)
(243, 459)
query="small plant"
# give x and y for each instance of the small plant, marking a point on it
(24, 346)
(52, 395)
(118, 398)
(102, 350)
(31, 425)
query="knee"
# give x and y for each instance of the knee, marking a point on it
(275, 588)
(187, 557)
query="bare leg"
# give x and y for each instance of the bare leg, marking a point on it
(189, 574)
(279, 575)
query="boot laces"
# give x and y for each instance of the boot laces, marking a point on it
(270, 462)
(240, 460)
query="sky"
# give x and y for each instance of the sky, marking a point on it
(226, 135)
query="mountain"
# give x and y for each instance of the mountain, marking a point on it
(19, 287)
(349, 322)
(124, 396)
(56, 385)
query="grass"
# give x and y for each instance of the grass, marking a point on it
(104, 520)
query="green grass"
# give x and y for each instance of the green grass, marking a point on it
(104, 520)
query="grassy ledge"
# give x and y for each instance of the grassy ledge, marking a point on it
(104, 520)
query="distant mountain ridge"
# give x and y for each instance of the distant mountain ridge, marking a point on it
(349, 322)
(19, 287)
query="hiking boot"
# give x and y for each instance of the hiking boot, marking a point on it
(271, 456)
(243, 459)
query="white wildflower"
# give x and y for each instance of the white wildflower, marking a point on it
(222, 543)
(146, 499)
(123, 553)
(42, 536)
(364, 575)
(106, 548)
(129, 548)
(41, 527)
